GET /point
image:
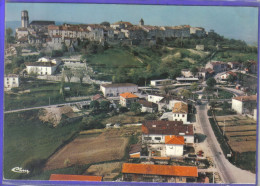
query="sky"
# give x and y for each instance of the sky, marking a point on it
(231, 22)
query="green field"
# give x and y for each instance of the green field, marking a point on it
(233, 55)
(44, 93)
(25, 137)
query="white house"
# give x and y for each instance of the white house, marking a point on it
(217, 66)
(180, 112)
(154, 98)
(127, 98)
(41, 68)
(174, 145)
(11, 81)
(244, 104)
(154, 132)
(161, 82)
(118, 88)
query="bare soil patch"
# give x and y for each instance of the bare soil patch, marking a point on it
(107, 170)
(92, 147)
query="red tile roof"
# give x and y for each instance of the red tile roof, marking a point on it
(175, 140)
(180, 107)
(246, 98)
(128, 95)
(165, 170)
(166, 128)
(69, 177)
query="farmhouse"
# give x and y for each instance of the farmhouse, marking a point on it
(110, 90)
(11, 81)
(127, 98)
(69, 177)
(155, 131)
(159, 173)
(180, 112)
(40, 68)
(244, 104)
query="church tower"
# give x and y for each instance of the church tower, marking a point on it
(25, 19)
(141, 22)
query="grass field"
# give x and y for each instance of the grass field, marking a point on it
(25, 137)
(232, 55)
(41, 93)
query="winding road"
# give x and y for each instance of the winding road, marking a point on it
(228, 172)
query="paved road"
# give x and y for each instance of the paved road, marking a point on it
(46, 106)
(228, 172)
(234, 91)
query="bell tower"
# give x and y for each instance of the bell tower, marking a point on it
(25, 19)
(141, 22)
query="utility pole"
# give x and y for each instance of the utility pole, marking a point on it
(224, 127)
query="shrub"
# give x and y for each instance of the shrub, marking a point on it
(34, 165)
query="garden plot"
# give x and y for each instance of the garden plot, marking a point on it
(240, 132)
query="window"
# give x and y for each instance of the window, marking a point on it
(178, 115)
(157, 138)
(174, 115)
(147, 138)
(183, 115)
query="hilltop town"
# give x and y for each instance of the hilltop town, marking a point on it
(123, 102)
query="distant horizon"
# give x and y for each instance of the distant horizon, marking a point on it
(239, 23)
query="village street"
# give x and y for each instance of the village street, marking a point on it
(225, 168)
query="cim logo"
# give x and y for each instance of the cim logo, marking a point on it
(20, 170)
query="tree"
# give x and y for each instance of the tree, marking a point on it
(56, 53)
(9, 37)
(194, 71)
(105, 23)
(94, 105)
(185, 93)
(211, 82)
(136, 108)
(80, 73)
(166, 89)
(225, 106)
(231, 78)
(68, 73)
(150, 117)
(104, 105)
(194, 86)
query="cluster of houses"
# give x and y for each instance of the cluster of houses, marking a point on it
(163, 139)
(54, 35)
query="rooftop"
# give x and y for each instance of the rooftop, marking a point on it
(147, 103)
(180, 107)
(176, 140)
(135, 148)
(246, 98)
(39, 64)
(128, 95)
(166, 128)
(165, 170)
(69, 177)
